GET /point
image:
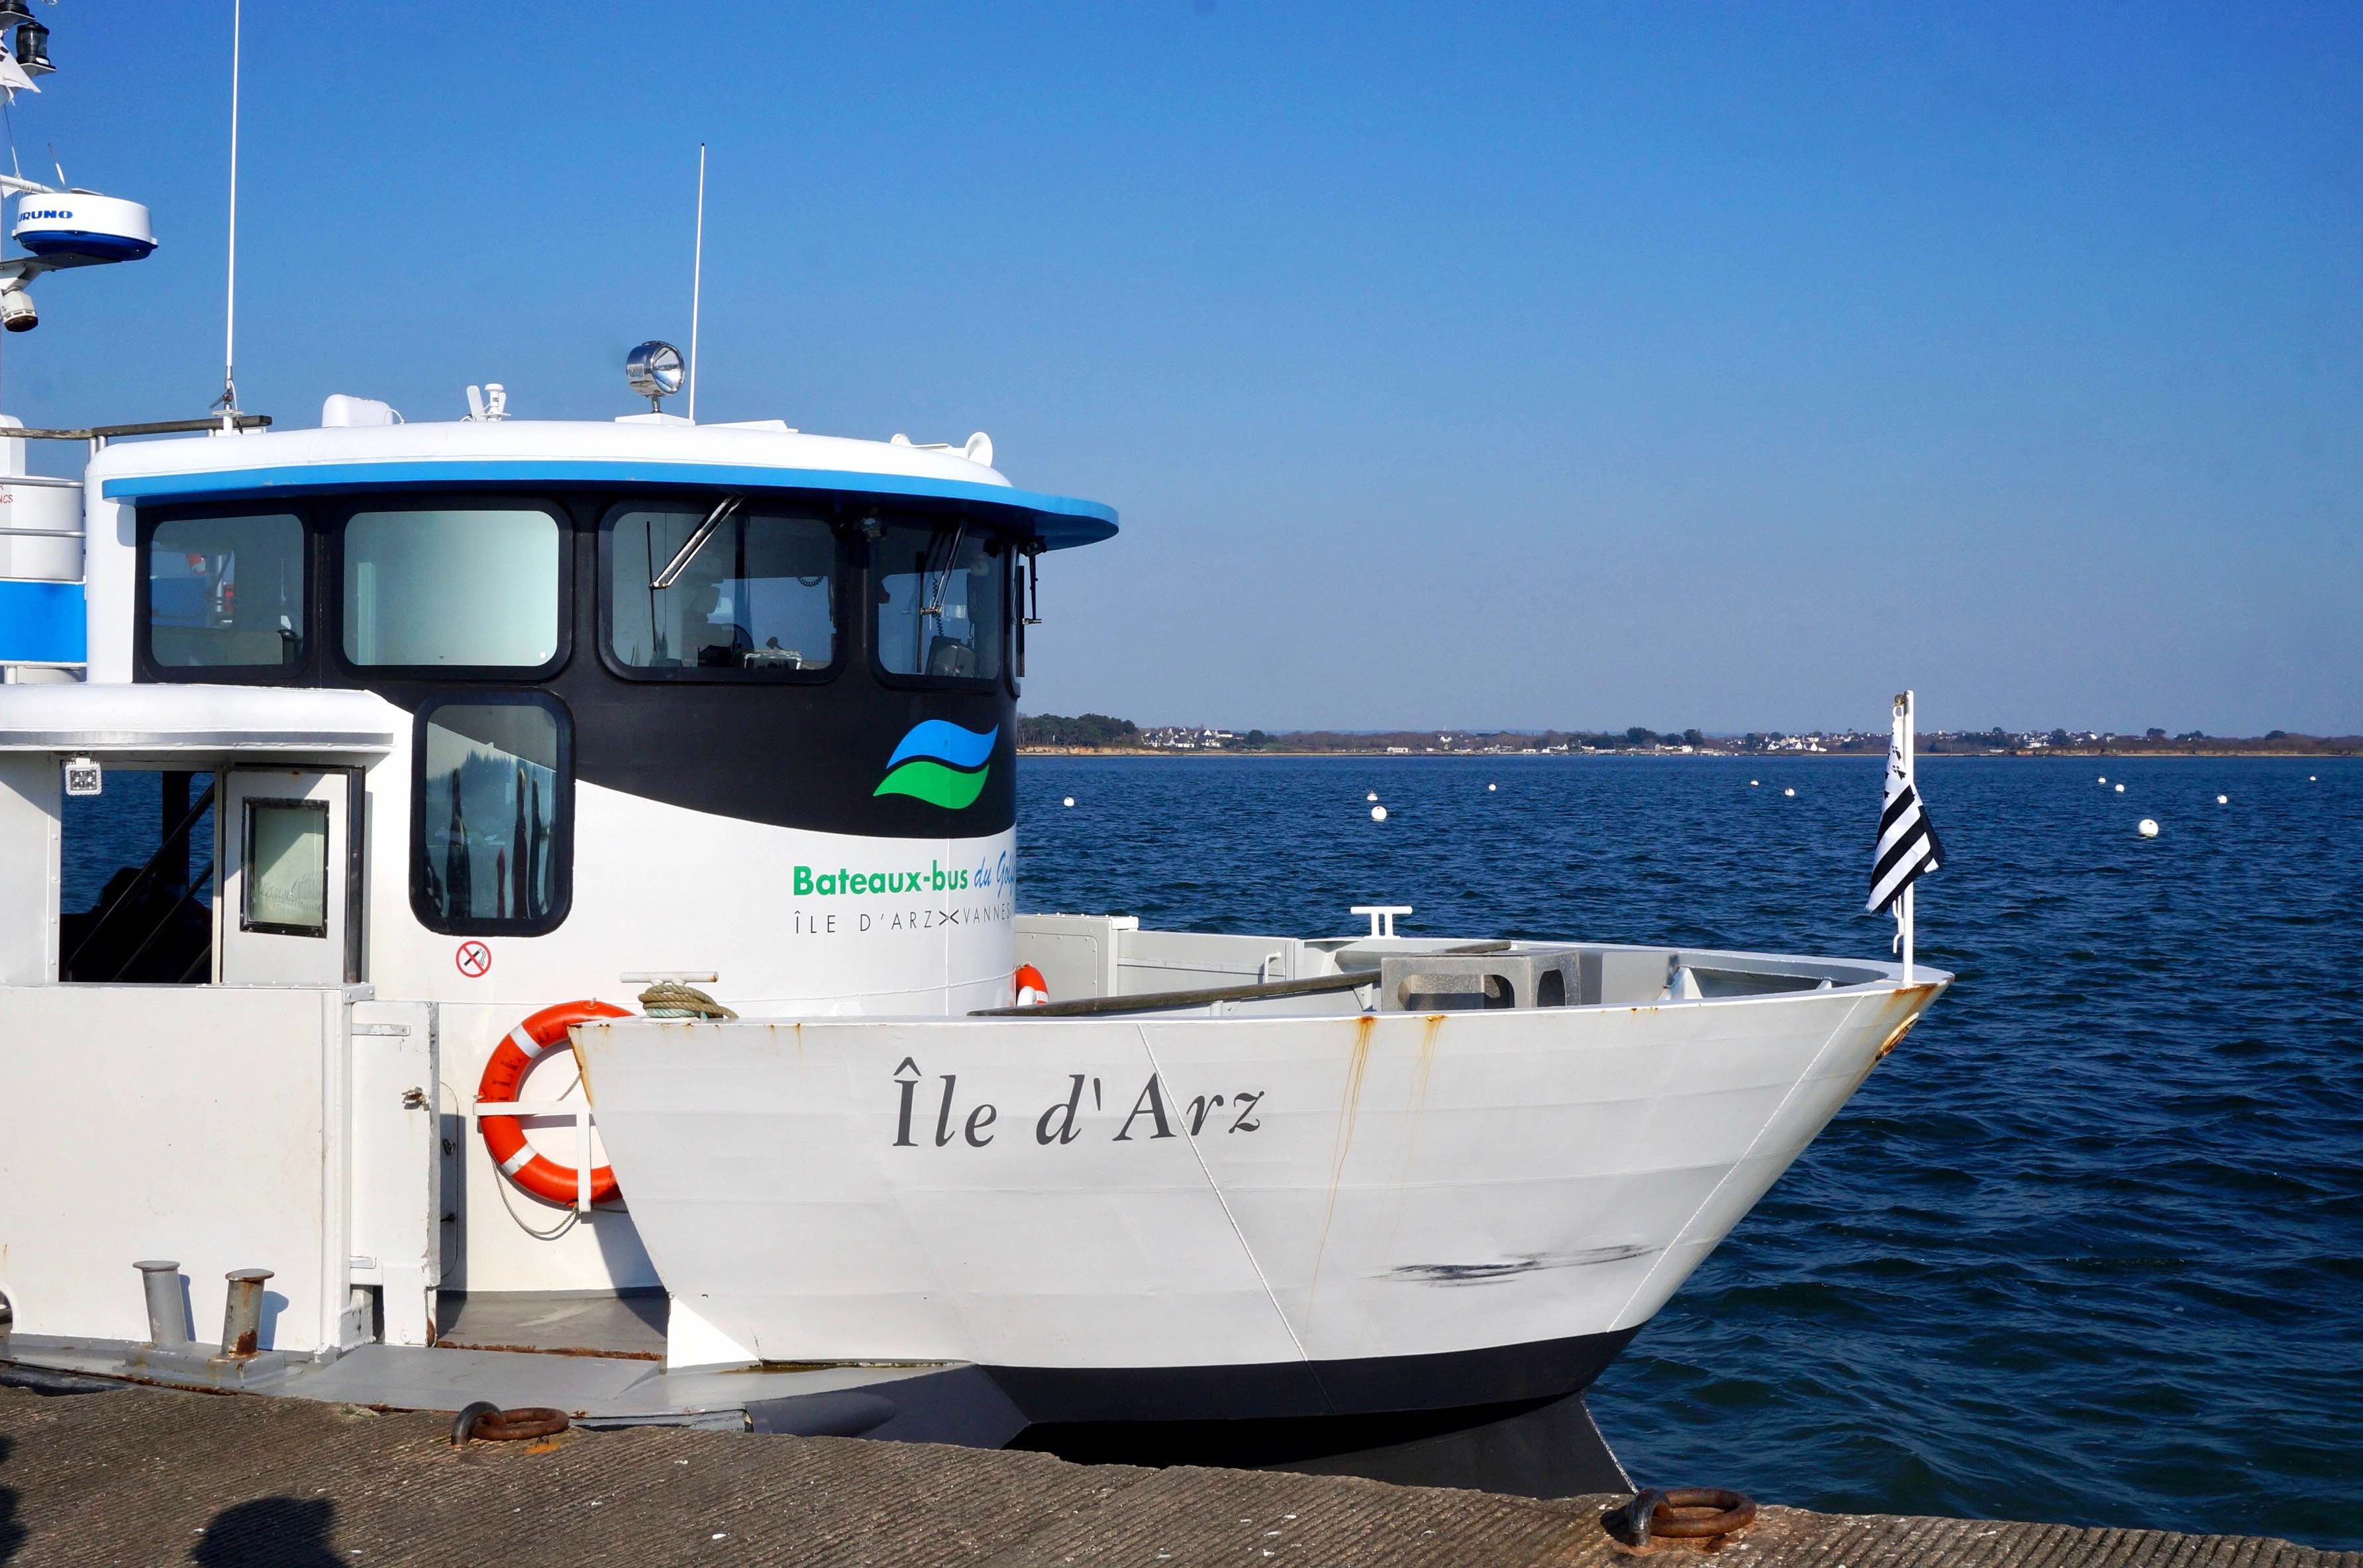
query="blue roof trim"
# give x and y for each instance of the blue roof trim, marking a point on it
(1062, 521)
(43, 622)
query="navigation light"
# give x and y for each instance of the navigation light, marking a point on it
(33, 49)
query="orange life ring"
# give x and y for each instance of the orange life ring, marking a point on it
(505, 1075)
(1031, 987)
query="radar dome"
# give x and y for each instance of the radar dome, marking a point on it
(80, 223)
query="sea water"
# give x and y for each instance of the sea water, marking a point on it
(2087, 1248)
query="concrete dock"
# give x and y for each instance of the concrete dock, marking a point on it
(145, 1477)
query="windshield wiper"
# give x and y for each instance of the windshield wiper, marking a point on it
(935, 604)
(696, 542)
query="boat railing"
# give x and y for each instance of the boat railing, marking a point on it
(1389, 974)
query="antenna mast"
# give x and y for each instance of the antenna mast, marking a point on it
(229, 403)
(696, 279)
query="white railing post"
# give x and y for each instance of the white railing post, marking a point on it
(582, 1160)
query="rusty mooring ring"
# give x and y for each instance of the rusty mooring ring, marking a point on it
(1732, 1511)
(487, 1422)
(1656, 1513)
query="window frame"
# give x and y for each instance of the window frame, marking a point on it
(1004, 679)
(148, 666)
(336, 518)
(843, 579)
(562, 837)
(246, 872)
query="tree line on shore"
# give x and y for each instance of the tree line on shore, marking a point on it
(1098, 731)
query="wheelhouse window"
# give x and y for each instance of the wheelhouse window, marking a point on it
(452, 587)
(721, 590)
(226, 593)
(493, 837)
(940, 595)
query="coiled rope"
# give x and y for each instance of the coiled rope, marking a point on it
(671, 998)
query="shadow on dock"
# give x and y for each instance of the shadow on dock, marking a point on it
(271, 1533)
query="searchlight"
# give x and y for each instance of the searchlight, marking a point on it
(654, 368)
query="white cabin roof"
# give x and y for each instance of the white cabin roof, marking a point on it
(151, 720)
(641, 450)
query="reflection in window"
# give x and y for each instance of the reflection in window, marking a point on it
(488, 842)
(226, 593)
(286, 880)
(466, 587)
(939, 593)
(751, 592)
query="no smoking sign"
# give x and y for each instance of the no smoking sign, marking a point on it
(474, 958)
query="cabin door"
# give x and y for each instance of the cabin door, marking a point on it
(287, 913)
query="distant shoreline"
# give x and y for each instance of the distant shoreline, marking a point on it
(1178, 755)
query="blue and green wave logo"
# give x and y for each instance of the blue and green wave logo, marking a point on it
(941, 763)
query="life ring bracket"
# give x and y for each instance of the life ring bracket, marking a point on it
(499, 1111)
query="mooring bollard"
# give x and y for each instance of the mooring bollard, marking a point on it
(168, 1326)
(242, 1313)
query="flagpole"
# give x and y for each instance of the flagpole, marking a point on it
(1904, 704)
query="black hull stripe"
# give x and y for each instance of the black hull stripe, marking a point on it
(1501, 1375)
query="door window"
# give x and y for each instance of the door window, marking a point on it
(286, 883)
(493, 840)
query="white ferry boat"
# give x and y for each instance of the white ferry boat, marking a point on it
(577, 953)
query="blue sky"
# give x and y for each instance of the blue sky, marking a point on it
(1554, 365)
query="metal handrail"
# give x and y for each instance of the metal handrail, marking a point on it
(154, 428)
(1165, 1002)
(164, 924)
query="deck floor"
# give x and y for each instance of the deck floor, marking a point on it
(631, 1325)
(146, 1476)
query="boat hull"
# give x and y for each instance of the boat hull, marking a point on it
(1223, 1219)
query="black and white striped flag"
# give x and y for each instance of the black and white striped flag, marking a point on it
(1907, 842)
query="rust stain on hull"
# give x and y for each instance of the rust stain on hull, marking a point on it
(1358, 1063)
(1911, 1001)
(1430, 1027)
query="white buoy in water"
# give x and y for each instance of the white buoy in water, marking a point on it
(2312, 778)
(2104, 779)
(1378, 813)
(2149, 829)
(2121, 788)
(1491, 788)
(1790, 793)
(1751, 783)
(1372, 796)
(1068, 801)
(2223, 799)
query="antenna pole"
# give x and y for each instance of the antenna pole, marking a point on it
(696, 281)
(230, 320)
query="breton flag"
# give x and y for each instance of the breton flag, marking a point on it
(1907, 843)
